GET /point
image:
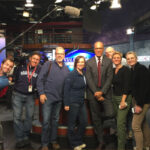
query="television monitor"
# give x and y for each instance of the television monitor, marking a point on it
(70, 57)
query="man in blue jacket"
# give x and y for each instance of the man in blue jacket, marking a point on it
(50, 85)
(5, 68)
(25, 77)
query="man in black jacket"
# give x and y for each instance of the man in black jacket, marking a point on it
(25, 77)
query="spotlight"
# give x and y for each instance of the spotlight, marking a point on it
(58, 1)
(115, 4)
(130, 31)
(98, 2)
(29, 5)
(25, 14)
(93, 7)
(28, 1)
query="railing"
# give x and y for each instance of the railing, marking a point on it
(33, 38)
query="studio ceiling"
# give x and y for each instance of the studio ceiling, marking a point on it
(132, 11)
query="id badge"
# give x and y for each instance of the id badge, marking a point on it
(30, 88)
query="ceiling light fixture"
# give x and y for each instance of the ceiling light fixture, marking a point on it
(59, 9)
(115, 4)
(19, 8)
(29, 3)
(130, 31)
(26, 14)
(93, 7)
(98, 2)
(58, 1)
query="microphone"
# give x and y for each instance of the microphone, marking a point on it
(73, 11)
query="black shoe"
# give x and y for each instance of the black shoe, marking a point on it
(20, 144)
(27, 142)
(101, 146)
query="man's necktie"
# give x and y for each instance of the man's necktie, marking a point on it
(99, 71)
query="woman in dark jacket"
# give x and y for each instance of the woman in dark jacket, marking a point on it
(140, 84)
(74, 91)
(121, 97)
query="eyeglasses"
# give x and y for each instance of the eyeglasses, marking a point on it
(81, 62)
(60, 54)
(98, 48)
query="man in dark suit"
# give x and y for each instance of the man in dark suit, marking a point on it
(99, 74)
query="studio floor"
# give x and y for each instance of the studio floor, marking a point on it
(9, 137)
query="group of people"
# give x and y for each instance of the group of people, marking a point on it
(110, 92)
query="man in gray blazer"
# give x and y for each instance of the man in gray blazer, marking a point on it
(99, 90)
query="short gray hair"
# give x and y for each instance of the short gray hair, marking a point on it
(131, 52)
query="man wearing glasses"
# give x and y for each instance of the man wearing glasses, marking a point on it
(50, 88)
(99, 74)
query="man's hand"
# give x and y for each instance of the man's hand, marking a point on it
(10, 79)
(122, 105)
(66, 108)
(137, 109)
(101, 98)
(98, 94)
(43, 98)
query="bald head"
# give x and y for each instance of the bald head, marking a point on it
(98, 48)
(109, 52)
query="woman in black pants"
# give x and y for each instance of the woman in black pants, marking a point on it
(74, 91)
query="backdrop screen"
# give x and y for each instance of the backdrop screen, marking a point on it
(70, 57)
(3, 53)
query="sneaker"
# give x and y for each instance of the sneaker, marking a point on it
(134, 148)
(55, 146)
(44, 148)
(77, 148)
(147, 148)
(82, 145)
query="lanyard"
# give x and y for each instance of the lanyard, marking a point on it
(30, 76)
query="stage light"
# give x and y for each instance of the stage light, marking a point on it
(98, 2)
(93, 7)
(26, 14)
(115, 4)
(59, 9)
(58, 1)
(29, 5)
(130, 31)
(28, 1)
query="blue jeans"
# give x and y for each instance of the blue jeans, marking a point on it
(76, 114)
(22, 127)
(50, 113)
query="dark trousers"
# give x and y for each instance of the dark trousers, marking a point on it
(101, 111)
(77, 117)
